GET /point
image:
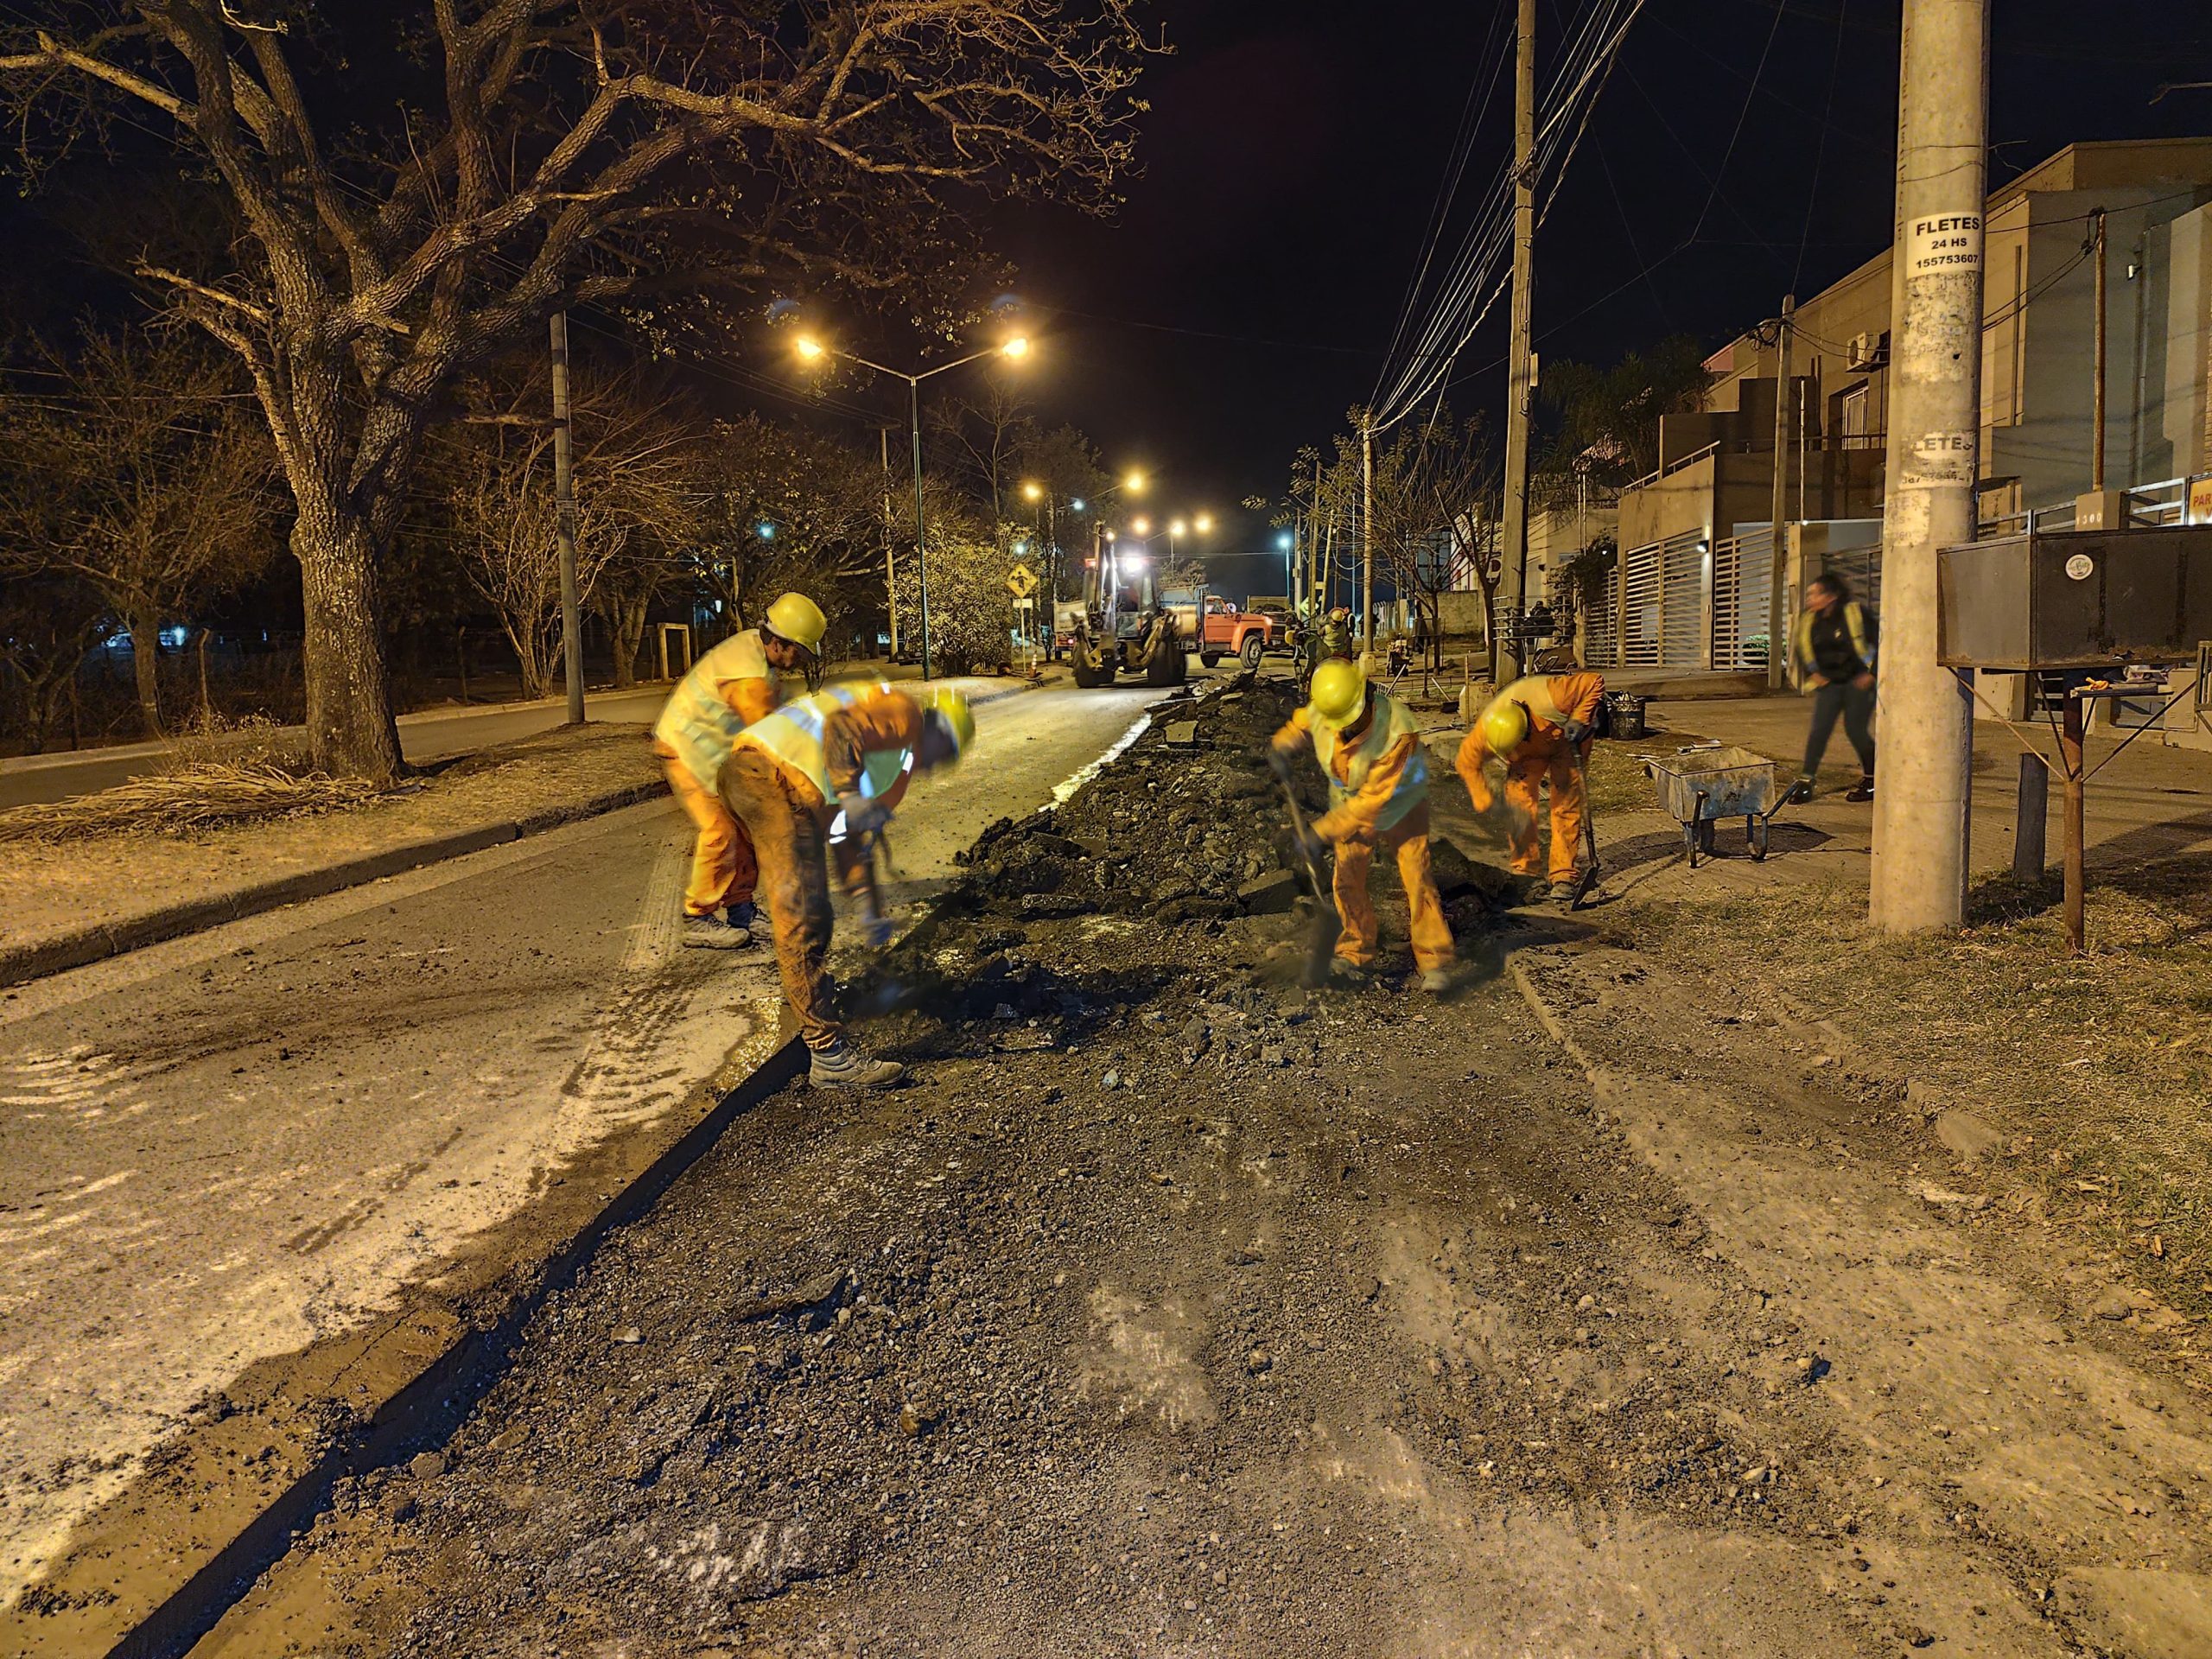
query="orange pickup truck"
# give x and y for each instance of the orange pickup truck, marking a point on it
(1228, 631)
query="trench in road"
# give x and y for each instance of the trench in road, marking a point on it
(238, 1148)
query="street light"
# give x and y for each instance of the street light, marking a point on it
(1205, 523)
(1134, 483)
(1285, 541)
(811, 348)
(1140, 526)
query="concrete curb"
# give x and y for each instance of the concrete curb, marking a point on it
(22, 963)
(19, 964)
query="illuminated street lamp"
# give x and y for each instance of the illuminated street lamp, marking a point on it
(812, 349)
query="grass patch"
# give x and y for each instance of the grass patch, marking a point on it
(2104, 1062)
(205, 795)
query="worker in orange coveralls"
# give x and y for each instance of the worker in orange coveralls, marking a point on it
(1371, 752)
(1539, 727)
(739, 682)
(813, 784)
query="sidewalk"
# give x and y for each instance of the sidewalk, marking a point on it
(70, 903)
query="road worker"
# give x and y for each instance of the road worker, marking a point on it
(1371, 753)
(1539, 727)
(739, 682)
(1336, 636)
(815, 781)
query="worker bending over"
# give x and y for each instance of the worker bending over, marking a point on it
(1370, 750)
(815, 781)
(739, 682)
(1539, 727)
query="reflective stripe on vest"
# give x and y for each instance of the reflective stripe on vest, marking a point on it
(796, 736)
(1392, 722)
(697, 723)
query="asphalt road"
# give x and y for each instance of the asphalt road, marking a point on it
(27, 781)
(240, 1145)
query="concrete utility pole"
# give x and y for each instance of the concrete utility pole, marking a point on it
(564, 520)
(1513, 555)
(1923, 785)
(1777, 613)
(1367, 542)
(890, 549)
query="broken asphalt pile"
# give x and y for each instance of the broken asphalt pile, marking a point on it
(1169, 1309)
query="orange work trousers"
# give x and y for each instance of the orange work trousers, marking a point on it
(723, 868)
(1540, 762)
(1408, 841)
(788, 839)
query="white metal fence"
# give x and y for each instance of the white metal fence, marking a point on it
(1743, 582)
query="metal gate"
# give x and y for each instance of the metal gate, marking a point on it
(1743, 580)
(1663, 586)
(1601, 632)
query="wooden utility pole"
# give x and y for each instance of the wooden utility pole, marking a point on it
(1513, 555)
(2097, 357)
(564, 520)
(1923, 782)
(1777, 613)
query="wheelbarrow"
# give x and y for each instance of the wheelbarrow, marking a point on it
(1703, 785)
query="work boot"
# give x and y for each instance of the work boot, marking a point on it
(1798, 792)
(1345, 972)
(711, 932)
(842, 1065)
(1435, 980)
(754, 919)
(1564, 893)
(1861, 791)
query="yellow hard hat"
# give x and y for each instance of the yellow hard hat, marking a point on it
(799, 620)
(1506, 726)
(959, 718)
(1338, 693)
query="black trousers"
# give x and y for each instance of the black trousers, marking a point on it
(1856, 708)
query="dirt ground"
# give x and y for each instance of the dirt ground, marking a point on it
(1595, 1308)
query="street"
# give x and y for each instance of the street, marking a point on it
(1173, 1310)
(230, 1151)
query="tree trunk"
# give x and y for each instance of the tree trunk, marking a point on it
(626, 622)
(350, 726)
(146, 667)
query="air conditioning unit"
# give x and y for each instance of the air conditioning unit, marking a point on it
(1869, 350)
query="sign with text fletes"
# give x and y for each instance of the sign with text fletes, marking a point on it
(1021, 582)
(1936, 245)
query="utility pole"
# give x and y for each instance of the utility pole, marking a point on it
(890, 550)
(1367, 541)
(1923, 782)
(921, 533)
(1778, 659)
(1513, 576)
(2097, 355)
(564, 520)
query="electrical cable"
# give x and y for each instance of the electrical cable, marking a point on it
(1820, 150)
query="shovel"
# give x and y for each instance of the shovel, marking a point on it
(1328, 926)
(1585, 877)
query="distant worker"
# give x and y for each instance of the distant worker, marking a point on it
(1370, 751)
(816, 781)
(1833, 645)
(739, 682)
(1539, 727)
(1337, 637)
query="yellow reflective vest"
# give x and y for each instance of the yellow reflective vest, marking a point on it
(1393, 723)
(697, 723)
(795, 736)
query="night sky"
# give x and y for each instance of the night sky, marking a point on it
(1241, 300)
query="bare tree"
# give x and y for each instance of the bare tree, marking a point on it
(153, 483)
(632, 477)
(985, 434)
(544, 153)
(49, 621)
(1433, 481)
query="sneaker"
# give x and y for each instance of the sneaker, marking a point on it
(711, 932)
(842, 1065)
(1861, 791)
(1798, 792)
(1435, 980)
(754, 919)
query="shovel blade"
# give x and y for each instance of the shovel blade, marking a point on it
(1321, 945)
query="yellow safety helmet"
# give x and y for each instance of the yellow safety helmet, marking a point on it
(1339, 692)
(1506, 726)
(952, 706)
(799, 620)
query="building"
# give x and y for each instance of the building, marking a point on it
(1692, 587)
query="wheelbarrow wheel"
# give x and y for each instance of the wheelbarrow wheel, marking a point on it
(1755, 831)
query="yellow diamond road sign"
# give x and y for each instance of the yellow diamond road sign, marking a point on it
(1021, 582)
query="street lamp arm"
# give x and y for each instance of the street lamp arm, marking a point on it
(958, 363)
